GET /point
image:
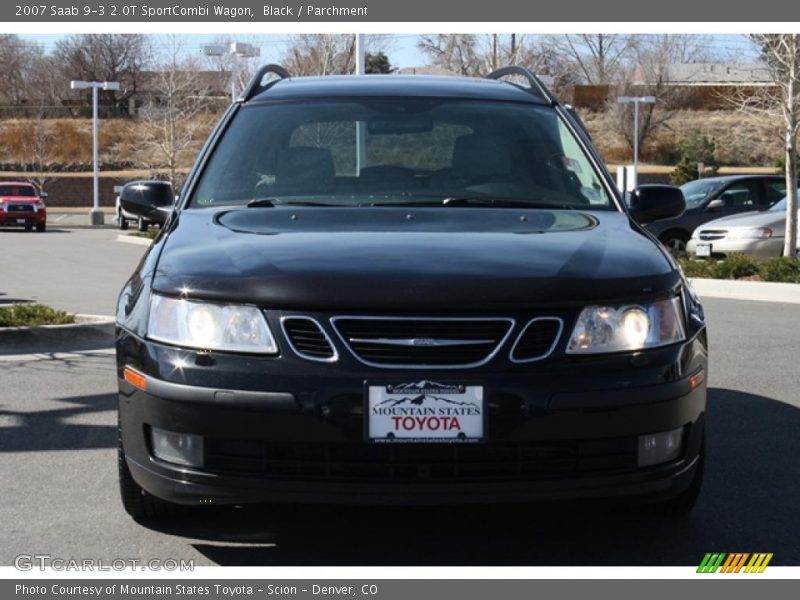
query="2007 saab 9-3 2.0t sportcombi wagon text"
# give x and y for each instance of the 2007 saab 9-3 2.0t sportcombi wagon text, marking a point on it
(385, 289)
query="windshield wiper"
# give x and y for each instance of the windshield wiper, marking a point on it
(262, 202)
(503, 202)
(271, 202)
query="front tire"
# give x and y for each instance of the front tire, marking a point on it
(142, 225)
(137, 503)
(675, 241)
(123, 222)
(41, 227)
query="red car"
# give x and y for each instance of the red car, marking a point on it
(22, 205)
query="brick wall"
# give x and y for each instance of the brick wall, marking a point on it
(77, 191)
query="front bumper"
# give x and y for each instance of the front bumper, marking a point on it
(287, 430)
(761, 249)
(22, 219)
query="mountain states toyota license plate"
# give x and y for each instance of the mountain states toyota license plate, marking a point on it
(425, 411)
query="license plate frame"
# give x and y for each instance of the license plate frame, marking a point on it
(464, 401)
(702, 250)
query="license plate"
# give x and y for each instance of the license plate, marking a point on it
(425, 411)
(22, 221)
(702, 249)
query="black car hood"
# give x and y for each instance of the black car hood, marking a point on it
(409, 259)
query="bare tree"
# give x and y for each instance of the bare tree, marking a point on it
(780, 54)
(321, 54)
(177, 117)
(39, 151)
(18, 58)
(600, 57)
(105, 57)
(651, 74)
(475, 55)
(458, 53)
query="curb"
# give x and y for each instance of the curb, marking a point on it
(132, 239)
(760, 291)
(88, 329)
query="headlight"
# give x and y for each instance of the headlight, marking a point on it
(756, 233)
(209, 326)
(601, 329)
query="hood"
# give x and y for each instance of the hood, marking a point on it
(410, 259)
(765, 218)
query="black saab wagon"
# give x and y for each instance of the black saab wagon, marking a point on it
(388, 289)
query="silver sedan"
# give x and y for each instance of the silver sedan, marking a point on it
(759, 234)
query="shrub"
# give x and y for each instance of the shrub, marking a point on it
(24, 315)
(697, 268)
(782, 269)
(735, 266)
(694, 148)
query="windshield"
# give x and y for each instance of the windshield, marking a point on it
(374, 151)
(17, 190)
(697, 191)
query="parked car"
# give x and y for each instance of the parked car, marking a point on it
(22, 205)
(451, 305)
(713, 197)
(124, 218)
(759, 234)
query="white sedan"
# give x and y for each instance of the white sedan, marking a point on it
(759, 234)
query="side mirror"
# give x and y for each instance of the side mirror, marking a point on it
(152, 200)
(42, 195)
(650, 203)
(716, 203)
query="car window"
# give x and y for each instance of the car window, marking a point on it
(695, 192)
(774, 191)
(345, 151)
(740, 195)
(17, 190)
(781, 205)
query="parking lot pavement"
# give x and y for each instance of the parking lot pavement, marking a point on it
(58, 483)
(77, 270)
(77, 218)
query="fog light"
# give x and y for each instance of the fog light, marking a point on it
(657, 448)
(179, 448)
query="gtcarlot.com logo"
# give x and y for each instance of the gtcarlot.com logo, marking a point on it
(736, 562)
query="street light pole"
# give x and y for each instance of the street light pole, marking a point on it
(96, 216)
(636, 101)
(95, 167)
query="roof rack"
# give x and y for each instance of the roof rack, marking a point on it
(257, 84)
(536, 88)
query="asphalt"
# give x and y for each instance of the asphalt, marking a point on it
(58, 482)
(77, 270)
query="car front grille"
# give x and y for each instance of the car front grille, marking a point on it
(712, 234)
(308, 339)
(419, 463)
(537, 340)
(400, 342)
(20, 208)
